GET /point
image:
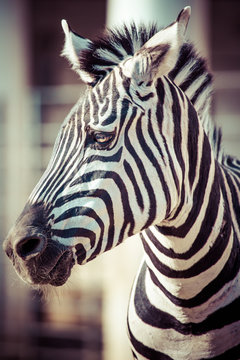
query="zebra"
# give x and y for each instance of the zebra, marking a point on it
(140, 154)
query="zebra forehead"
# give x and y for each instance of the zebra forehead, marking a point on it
(100, 106)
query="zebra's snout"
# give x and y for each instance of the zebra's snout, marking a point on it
(30, 247)
(28, 237)
(37, 258)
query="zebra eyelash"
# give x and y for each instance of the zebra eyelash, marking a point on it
(99, 139)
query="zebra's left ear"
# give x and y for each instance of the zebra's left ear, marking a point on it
(74, 45)
(159, 54)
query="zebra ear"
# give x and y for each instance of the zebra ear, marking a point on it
(159, 54)
(74, 45)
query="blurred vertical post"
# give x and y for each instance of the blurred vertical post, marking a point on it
(163, 12)
(14, 94)
(123, 262)
(14, 121)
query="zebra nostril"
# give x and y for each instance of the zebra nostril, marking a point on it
(30, 247)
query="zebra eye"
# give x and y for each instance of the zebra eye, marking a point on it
(103, 138)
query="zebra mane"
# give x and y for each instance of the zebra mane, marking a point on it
(113, 46)
(190, 73)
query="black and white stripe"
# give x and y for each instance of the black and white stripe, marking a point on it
(140, 154)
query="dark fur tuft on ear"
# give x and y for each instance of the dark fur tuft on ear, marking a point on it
(114, 46)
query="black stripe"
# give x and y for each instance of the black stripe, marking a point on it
(145, 178)
(144, 350)
(227, 274)
(202, 237)
(154, 140)
(76, 211)
(75, 232)
(132, 178)
(66, 138)
(66, 180)
(186, 54)
(144, 97)
(124, 41)
(233, 164)
(100, 96)
(80, 253)
(84, 211)
(198, 92)
(197, 70)
(161, 96)
(151, 157)
(128, 215)
(193, 133)
(198, 195)
(159, 114)
(104, 108)
(98, 193)
(231, 354)
(113, 103)
(108, 158)
(205, 229)
(210, 259)
(110, 119)
(177, 114)
(234, 197)
(94, 104)
(162, 320)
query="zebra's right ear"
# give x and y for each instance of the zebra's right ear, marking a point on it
(159, 54)
(74, 45)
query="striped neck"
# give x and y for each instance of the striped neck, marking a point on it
(192, 255)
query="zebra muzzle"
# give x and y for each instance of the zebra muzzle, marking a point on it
(37, 258)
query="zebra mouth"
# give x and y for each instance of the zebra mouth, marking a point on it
(56, 275)
(61, 271)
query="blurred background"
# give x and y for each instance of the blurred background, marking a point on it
(86, 319)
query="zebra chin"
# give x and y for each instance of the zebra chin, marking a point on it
(37, 258)
(36, 274)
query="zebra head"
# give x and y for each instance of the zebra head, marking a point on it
(114, 160)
